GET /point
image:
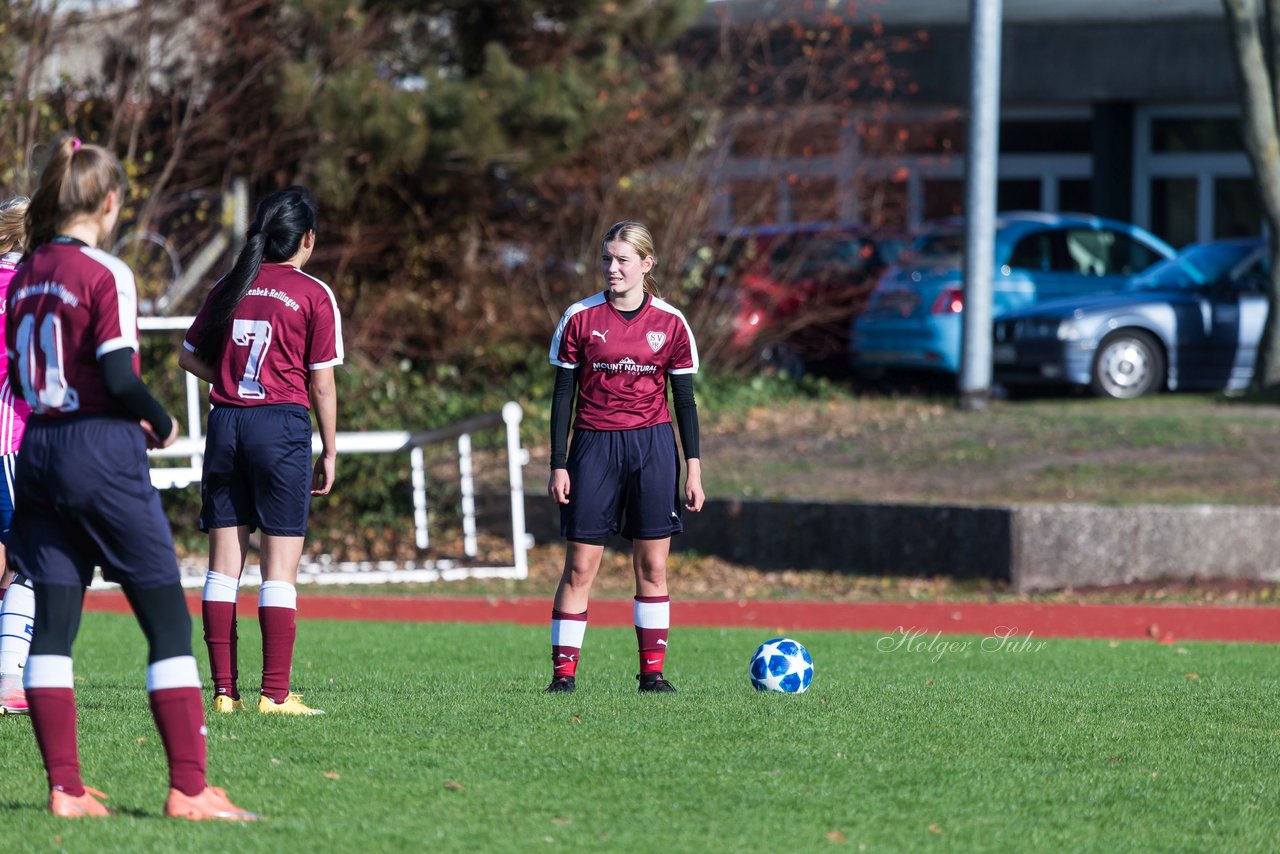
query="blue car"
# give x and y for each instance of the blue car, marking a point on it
(912, 319)
(1193, 322)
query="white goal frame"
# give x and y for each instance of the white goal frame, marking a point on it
(190, 447)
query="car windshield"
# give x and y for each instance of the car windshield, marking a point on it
(1196, 265)
(819, 256)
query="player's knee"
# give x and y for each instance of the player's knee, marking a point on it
(580, 573)
(652, 572)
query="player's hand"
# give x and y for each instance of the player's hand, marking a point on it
(694, 497)
(322, 475)
(154, 441)
(558, 486)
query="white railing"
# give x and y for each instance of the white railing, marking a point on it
(190, 448)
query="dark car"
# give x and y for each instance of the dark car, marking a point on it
(799, 286)
(1191, 322)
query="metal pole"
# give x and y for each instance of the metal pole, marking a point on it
(981, 172)
(418, 469)
(194, 430)
(517, 459)
(468, 488)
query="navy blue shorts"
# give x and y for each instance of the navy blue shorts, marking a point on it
(623, 481)
(7, 464)
(84, 498)
(257, 469)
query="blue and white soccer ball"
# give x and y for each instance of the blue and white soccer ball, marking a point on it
(782, 665)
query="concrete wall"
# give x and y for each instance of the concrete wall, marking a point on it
(1033, 547)
(1059, 545)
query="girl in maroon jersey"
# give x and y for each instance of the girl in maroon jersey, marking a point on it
(267, 340)
(83, 493)
(620, 349)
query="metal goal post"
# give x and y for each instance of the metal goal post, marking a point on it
(190, 449)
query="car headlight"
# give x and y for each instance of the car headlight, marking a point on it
(1069, 330)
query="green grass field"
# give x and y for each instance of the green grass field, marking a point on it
(438, 737)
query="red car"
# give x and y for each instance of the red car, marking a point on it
(799, 286)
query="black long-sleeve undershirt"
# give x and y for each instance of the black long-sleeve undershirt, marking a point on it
(561, 415)
(131, 394)
(685, 405)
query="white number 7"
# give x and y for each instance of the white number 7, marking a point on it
(256, 335)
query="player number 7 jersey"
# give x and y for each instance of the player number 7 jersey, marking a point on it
(286, 325)
(256, 335)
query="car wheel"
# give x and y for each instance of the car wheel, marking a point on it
(1128, 364)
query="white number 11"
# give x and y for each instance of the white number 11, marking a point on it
(256, 335)
(45, 391)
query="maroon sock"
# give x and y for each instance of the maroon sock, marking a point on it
(279, 631)
(653, 620)
(53, 717)
(235, 656)
(567, 631)
(220, 637)
(179, 715)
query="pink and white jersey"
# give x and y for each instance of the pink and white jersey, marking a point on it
(68, 306)
(623, 364)
(286, 326)
(13, 409)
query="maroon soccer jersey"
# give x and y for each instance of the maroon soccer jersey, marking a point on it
(286, 326)
(68, 306)
(623, 364)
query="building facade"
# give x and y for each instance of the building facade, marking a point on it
(1126, 110)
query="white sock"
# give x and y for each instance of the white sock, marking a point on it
(16, 620)
(220, 588)
(277, 594)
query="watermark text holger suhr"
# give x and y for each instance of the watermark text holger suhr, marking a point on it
(933, 644)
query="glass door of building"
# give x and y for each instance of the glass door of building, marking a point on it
(1192, 180)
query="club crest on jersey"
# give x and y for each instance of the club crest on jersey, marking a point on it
(656, 340)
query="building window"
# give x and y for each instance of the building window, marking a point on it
(755, 141)
(814, 199)
(1184, 135)
(883, 202)
(818, 139)
(1044, 137)
(787, 136)
(943, 197)
(753, 202)
(1237, 211)
(1018, 194)
(919, 137)
(1075, 195)
(1173, 209)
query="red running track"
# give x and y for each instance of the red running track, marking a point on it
(1058, 620)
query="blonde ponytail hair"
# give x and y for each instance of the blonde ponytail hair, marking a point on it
(76, 180)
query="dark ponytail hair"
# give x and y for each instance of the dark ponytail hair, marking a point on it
(75, 180)
(281, 221)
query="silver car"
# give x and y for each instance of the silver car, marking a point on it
(1191, 322)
